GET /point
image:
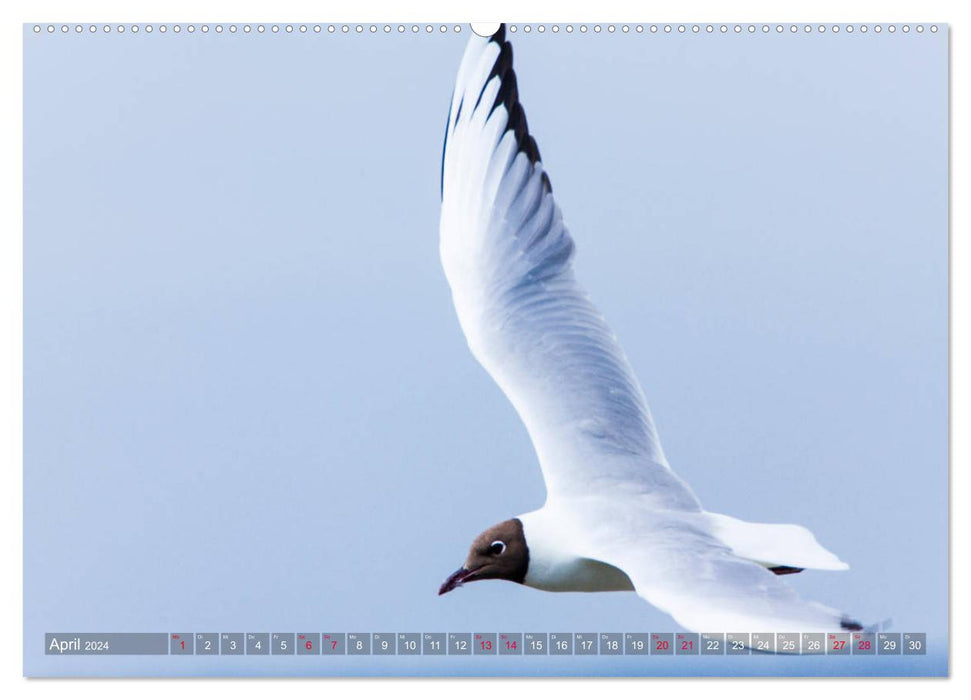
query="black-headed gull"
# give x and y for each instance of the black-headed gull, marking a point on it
(616, 516)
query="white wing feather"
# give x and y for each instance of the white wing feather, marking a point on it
(508, 260)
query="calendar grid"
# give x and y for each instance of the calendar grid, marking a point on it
(486, 644)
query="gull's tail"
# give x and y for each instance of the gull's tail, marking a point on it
(783, 549)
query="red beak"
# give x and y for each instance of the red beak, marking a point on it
(457, 579)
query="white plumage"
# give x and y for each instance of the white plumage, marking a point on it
(611, 495)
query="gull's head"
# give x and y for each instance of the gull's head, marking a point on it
(499, 552)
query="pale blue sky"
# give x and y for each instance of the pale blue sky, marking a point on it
(249, 405)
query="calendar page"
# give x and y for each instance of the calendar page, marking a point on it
(485, 350)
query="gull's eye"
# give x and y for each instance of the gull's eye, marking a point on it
(497, 547)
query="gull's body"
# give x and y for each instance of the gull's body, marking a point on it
(616, 516)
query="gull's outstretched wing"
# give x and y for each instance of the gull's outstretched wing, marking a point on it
(680, 567)
(508, 259)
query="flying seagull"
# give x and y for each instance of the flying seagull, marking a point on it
(616, 517)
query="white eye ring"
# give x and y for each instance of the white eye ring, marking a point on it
(501, 544)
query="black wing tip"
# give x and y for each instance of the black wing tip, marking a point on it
(851, 625)
(546, 182)
(784, 570)
(508, 97)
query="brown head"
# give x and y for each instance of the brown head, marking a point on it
(499, 552)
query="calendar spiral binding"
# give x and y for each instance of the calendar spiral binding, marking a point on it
(439, 29)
